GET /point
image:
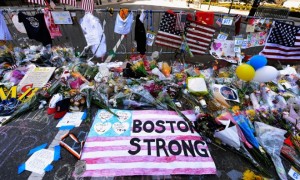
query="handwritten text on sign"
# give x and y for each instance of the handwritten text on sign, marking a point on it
(150, 142)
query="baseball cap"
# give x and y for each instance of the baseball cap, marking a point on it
(52, 104)
(62, 107)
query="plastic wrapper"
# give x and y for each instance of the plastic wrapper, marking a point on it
(272, 138)
(243, 123)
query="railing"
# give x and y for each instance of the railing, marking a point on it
(73, 35)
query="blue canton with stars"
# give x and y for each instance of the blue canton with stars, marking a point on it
(283, 34)
(168, 23)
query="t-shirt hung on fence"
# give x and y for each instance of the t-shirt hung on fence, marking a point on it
(123, 26)
(94, 34)
(4, 33)
(145, 142)
(36, 27)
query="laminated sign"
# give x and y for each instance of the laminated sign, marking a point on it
(145, 142)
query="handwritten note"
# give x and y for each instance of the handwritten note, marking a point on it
(71, 119)
(62, 17)
(39, 77)
(39, 161)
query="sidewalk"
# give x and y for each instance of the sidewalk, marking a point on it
(183, 4)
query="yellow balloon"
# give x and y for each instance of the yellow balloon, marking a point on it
(245, 72)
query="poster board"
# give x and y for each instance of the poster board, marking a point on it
(62, 17)
(39, 77)
(145, 142)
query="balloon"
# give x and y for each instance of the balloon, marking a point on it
(266, 74)
(245, 72)
(258, 61)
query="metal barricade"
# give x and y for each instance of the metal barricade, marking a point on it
(72, 35)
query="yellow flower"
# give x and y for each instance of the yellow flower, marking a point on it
(250, 113)
(250, 175)
(235, 109)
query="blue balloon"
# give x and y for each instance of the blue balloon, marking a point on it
(258, 61)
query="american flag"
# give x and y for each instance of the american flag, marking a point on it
(180, 21)
(69, 2)
(199, 36)
(118, 147)
(167, 34)
(87, 5)
(283, 43)
(41, 2)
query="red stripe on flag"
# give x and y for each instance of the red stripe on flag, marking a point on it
(87, 5)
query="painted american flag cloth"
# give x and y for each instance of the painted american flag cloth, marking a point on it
(87, 5)
(68, 2)
(167, 34)
(145, 142)
(199, 37)
(283, 42)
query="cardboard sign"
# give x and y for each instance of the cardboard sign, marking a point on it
(62, 17)
(224, 49)
(145, 142)
(39, 161)
(39, 77)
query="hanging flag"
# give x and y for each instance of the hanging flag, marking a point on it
(180, 21)
(68, 2)
(87, 5)
(283, 43)
(167, 34)
(41, 2)
(199, 36)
